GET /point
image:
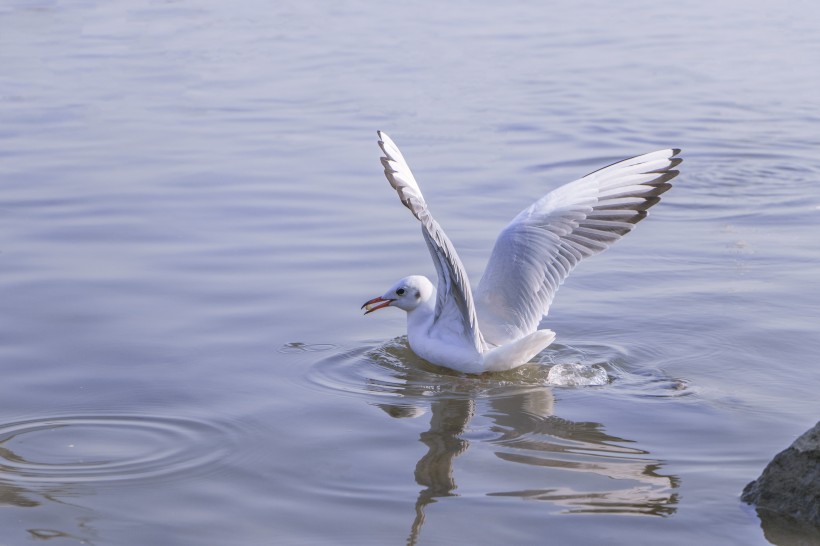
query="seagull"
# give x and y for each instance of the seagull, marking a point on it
(495, 328)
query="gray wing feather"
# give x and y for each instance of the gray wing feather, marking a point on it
(537, 250)
(454, 300)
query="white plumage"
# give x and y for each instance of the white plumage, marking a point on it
(496, 327)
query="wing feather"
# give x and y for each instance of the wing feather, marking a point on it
(537, 250)
(454, 299)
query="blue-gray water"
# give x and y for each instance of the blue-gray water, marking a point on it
(192, 211)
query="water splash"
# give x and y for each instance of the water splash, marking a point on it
(577, 375)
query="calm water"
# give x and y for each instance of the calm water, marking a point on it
(192, 211)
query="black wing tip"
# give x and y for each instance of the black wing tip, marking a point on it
(641, 214)
(647, 200)
(660, 189)
(664, 177)
(383, 138)
(650, 202)
(674, 161)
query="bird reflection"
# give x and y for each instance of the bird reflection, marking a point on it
(11, 495)
(434, 471)
(517, 418)
(52, 495)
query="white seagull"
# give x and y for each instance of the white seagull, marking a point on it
(495, 328)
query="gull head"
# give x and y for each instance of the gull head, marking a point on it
(407, 294)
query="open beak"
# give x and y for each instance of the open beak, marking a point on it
(375, 304)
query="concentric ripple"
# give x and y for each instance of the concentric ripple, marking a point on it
(391, 370)
(99, 449)
(378, 370)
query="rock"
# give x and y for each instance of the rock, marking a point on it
(789, 487)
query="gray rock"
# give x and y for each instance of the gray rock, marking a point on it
(789, 487)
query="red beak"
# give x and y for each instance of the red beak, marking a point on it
(371, 305)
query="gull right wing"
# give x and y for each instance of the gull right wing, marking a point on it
(536, 251)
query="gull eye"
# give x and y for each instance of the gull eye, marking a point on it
(400, 292)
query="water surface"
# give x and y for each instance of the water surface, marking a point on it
(192, 211)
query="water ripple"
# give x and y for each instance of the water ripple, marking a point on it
(391, 369)
(107, 448)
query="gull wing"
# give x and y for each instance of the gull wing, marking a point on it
(454, 300)
(536, 251)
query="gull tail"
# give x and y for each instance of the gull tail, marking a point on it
(517, 352)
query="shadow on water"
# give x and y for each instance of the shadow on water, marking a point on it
(514, 414)
(785, 531)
